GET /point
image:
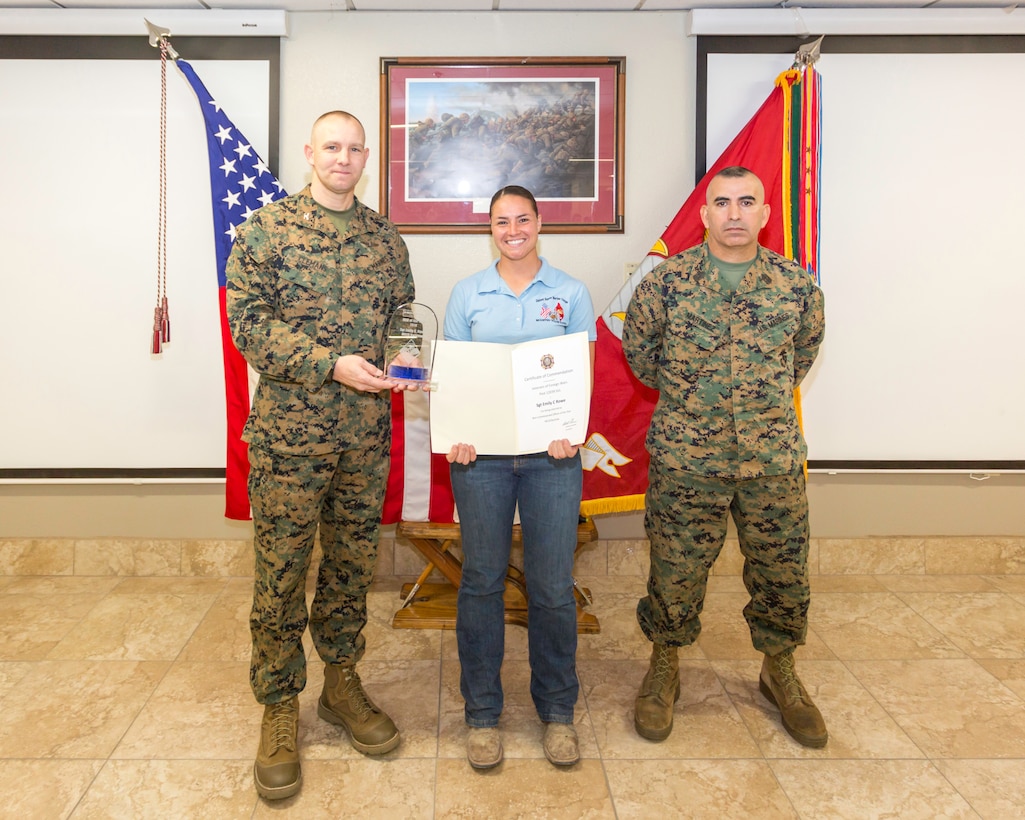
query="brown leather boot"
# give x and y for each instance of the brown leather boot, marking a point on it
(277, 771)
(343, 702)
(484, 747)
(778, 681)
(660, 689)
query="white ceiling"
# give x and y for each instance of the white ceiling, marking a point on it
(357, 6)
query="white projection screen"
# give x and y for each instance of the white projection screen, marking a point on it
(80, 163)
(922, 252)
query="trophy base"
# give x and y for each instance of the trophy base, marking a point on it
(409, 374)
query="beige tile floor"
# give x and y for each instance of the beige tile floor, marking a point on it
(127, 697)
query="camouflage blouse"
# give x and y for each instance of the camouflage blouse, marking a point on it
(299, 295)
(726, 364)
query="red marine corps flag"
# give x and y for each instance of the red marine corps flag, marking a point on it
(781, 145)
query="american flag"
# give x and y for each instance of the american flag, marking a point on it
(240, 183)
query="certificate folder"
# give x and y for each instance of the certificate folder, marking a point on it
(510, 399)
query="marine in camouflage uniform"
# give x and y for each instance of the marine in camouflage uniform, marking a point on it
(724, 437)
(302, 295)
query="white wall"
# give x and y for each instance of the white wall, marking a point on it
(331, 61)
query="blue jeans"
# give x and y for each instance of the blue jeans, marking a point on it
(548, 492)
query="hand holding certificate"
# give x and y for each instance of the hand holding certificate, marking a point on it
(510, 399)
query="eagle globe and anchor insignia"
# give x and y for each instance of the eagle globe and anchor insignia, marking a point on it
(597, 452)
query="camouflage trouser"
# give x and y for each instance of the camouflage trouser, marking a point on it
(685, 519)
(290, 496)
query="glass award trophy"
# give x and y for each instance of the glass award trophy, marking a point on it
(409, 345)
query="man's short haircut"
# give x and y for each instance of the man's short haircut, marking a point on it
(735, 172)
(344, 114)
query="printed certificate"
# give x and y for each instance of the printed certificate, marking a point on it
(510, 399)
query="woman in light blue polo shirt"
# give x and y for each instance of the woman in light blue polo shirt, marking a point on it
(518, 298)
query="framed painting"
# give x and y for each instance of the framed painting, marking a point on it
(454, 131)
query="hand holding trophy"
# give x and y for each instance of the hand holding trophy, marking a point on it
(409, 346)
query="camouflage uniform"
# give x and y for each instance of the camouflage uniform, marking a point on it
(724, 438)
(299, 296)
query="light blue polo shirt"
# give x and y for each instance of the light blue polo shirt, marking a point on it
(482, 308)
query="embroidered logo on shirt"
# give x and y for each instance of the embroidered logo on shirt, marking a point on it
(553, 314)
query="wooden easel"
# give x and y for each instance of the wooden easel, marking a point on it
(433, 606)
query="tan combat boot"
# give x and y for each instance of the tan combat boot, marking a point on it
(778, 681)
(660, 689)
(277, 771)
(344, 703)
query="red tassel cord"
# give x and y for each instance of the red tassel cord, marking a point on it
(155, 349)
(165, 321)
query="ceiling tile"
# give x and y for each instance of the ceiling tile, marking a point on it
(567, 5)
(422, 5)
(142, 5)
(500, 5)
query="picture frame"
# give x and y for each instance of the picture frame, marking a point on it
(455, 130)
